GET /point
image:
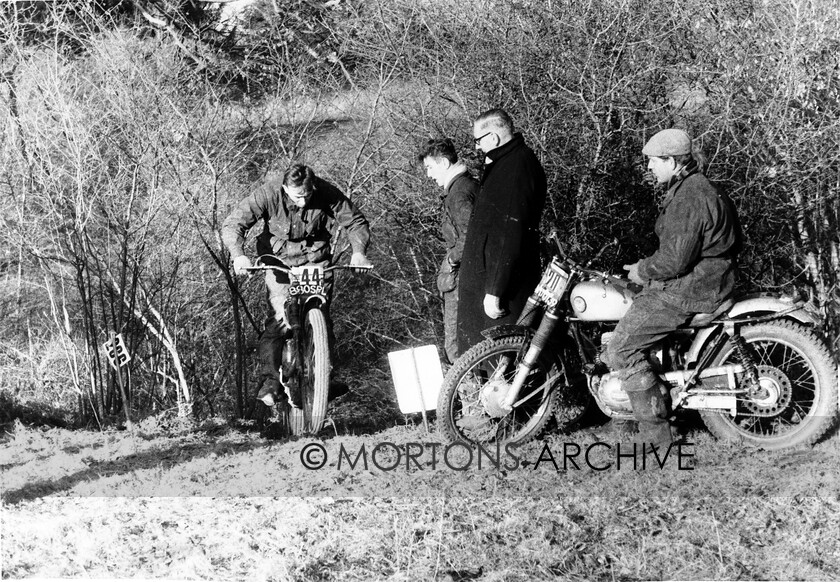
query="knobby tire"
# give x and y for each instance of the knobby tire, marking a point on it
(458, 398)
(801, 364)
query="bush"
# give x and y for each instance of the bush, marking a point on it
(129, 146)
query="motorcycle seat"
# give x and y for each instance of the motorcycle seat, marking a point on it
(703, 319)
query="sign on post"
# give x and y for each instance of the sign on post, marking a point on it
(417, 378)
(118, 356)
(116, 351)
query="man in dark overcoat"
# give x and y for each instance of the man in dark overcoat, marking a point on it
(500, 265)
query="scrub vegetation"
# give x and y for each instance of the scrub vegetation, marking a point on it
(131, 128)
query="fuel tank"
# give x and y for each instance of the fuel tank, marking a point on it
(600, 300)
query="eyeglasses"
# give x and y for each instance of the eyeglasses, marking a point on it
(478, 139)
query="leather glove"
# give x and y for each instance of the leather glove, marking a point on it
(633, 273)
(241, 263)
(493, 307)
(361, 261)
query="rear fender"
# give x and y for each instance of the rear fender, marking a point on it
(755, 305)
(763, 304)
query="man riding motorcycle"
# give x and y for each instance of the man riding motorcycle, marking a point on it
(692, 271)
(299, 214)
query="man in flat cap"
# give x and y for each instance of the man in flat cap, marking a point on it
(692, 271)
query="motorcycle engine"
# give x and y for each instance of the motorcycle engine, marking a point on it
(608, 386)
(611, 393)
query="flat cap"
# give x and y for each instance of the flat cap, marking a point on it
(668, 142)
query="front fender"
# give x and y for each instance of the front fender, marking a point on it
(757, 304)
(506, 330)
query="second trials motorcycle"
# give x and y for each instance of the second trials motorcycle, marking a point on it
(756, 369)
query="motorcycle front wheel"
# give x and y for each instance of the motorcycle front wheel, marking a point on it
(460, 412)
(796, 402)
(315, 360)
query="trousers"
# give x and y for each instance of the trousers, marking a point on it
(450, 324)
(649, 320)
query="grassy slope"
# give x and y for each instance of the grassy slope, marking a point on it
(217, 503)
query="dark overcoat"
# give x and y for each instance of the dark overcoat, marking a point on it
(501, 251)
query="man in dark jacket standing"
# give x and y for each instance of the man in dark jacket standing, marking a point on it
(501, 262)
(440, 160)
(692, 271)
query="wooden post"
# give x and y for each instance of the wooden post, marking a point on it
(118, 367)
(419, 389)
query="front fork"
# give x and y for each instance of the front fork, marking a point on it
(292, 357)
(538, 343)
(291, 350)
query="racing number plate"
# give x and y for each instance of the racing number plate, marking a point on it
(553, 284)
(306, 280)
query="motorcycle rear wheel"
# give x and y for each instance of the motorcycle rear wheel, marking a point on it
(462, 417)
(315, 360)
(801, 404)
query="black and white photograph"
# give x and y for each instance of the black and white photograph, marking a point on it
(433, 290)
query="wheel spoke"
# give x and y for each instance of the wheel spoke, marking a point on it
(762, 351)
(796, 383)
(797, 407)
(468, 419)
(785, 358)
(752, 420)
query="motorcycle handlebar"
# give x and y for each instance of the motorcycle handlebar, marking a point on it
(555, 236)
(601, 252)
(288, 270)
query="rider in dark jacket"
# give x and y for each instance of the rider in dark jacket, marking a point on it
(300, 214)
(692, 271)
(694, 266)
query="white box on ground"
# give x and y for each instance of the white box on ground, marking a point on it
(417, 378)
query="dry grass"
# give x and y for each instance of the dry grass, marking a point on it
(215, 503)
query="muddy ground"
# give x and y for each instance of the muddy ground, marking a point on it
(217, 501)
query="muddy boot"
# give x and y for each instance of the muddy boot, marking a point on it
(651, 411)
(269, 392)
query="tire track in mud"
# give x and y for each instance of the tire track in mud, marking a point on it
(401, 461)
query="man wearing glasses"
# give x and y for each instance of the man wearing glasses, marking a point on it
(500, 265)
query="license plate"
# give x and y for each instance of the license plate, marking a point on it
(552, 285)
(306, 279)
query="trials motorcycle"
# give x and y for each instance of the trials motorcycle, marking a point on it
(756, 369)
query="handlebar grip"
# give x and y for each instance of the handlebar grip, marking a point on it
(268, 268)
(350, 267)
(288, 270)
